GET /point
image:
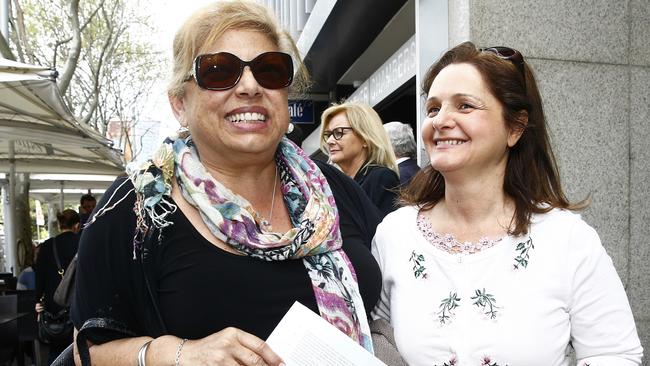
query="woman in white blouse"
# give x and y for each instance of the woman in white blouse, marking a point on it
(486, 264)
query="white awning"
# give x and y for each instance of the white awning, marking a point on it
(38, 134)
(46, 137)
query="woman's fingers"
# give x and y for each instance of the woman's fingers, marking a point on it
(246, 357)
(231, 346)
(255, 352)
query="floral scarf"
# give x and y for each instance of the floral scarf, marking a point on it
(315, 236)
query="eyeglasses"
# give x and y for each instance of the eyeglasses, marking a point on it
(510, 54)
(337, 133)
(223, 70)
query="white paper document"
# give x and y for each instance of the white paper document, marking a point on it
(302, 338)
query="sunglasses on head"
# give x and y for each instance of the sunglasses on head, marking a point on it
(510, 54)
(337, 133)
(223, 70)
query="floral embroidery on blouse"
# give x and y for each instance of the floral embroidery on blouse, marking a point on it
(487, 361)
(451, 362)
(448, 242)
(487, 302)
(446, 307)
(418, 267)
(523, 250)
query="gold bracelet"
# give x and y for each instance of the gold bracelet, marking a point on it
(177, 361)
(142, 353)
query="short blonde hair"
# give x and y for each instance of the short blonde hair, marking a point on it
(367, 125)
(207, 24)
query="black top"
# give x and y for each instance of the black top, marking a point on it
(200, 288)
(379, 183)
(47, 276)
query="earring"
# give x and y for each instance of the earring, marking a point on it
(180, 132)
(290, 128)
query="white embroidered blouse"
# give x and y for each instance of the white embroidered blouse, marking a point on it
(519, 302)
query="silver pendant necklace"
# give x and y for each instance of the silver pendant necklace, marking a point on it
(275, 185)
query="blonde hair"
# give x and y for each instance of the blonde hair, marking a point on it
(206, 25)
(367, 124)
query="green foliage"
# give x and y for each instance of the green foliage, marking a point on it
(117, 64)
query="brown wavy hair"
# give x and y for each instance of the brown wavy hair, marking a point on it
(532, 178)
(67, 219)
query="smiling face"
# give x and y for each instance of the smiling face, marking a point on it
(464, 130)
(349, 148)
(244, 122)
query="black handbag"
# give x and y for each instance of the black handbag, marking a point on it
(55, 327)
(63, 293)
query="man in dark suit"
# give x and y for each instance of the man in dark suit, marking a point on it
(401, 137)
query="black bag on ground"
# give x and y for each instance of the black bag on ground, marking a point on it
(55, 327)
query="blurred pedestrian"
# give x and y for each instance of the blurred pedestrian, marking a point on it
(87, 204)
(53, 258)
(353, 136)
(27, 277)
(401, 137)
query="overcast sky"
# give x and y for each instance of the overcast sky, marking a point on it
(167, 15)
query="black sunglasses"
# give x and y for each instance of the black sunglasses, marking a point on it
(337, 133)
(223, 70)
(510, 54)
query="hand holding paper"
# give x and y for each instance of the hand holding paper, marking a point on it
(302, 338)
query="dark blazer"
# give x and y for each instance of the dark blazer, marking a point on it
(407, 169)
(379, 183)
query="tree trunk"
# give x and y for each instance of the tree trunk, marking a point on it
(23, 222)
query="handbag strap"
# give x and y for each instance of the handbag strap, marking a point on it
(108, 326)
(117, 329)
(60, 269)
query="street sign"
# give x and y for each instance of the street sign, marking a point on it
(40, 219)
(301, 111)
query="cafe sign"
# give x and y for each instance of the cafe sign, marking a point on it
(301, 111)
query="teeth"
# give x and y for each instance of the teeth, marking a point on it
(450, 142)
(246, 117)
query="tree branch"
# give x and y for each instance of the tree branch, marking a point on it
(83, 26)
(75, 48)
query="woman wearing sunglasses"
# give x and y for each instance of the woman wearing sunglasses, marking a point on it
(488, 264)
(353, 136)
(196, 257)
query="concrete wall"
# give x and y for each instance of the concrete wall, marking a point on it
(592, 62)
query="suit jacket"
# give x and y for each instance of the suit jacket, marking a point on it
(379, 183)
(407, 169)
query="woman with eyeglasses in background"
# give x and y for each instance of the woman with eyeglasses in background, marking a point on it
(353, 136)
(487, 264)
(196, 257)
